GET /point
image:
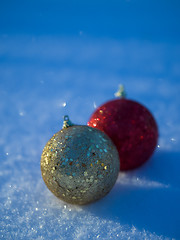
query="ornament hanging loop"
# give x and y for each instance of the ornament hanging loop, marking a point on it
(67, 123)
(121, 92)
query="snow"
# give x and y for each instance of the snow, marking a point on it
(144, 204)
(45, 76)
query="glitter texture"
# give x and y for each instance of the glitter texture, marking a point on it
(131, 127)
(80, 164)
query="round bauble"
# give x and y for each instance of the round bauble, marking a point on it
(79, 164)
(130, 126)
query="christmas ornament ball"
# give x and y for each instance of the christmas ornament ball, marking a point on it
(131, 127)
(79, 164)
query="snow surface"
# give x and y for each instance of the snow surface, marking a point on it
(68, 57)
(41, 79)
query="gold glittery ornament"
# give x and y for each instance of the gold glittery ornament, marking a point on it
(79, 164)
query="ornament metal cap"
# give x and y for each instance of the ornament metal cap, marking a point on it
(67, 123)
(121, 92)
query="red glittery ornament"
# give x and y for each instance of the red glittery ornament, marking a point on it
(131, 127)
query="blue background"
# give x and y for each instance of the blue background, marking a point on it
(67, 57)
(144, 20)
